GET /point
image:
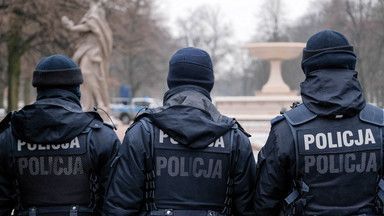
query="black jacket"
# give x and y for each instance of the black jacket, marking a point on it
(190, 175)
(56, 144)
(327, 155)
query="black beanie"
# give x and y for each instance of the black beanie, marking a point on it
(57, 71)
(191, 66)
(326, 50)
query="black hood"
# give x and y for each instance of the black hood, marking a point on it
(190, 118)
(331, 92)
(56, 117)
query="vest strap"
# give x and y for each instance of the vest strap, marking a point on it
(298, 198)
(150, 176)
(380, 197)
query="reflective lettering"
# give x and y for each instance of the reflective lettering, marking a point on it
(217, 171)
(56, 169)
(360, 140)
(331, 144)
(339, 163)
(322, 164)
(161, 163)
(197, 171)
(42, 167)
(52, 165)
(208, 172)
(173, 166)
(332, 168)
(78, 167)
(339, 139)
(218, 143)
(31, 147)
(23, 164)
(182, 167)
(321, 141)
(349, 168)
(369, 137)
(43, 147)
(309, 161)
(189, 166)
(75, 143)
(65, 146)
(361, 167)
(371, 165)
(68, 170)
(308, 139)
(163, 135)
(345, 138)
(33, 166)
(20, 144)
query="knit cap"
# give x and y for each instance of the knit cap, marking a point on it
(328, 50)
(191, 66)
(57, 71)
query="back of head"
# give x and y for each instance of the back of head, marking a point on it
(57, 71)
(328, 50)
(191, 66)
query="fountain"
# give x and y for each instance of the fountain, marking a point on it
(275, 53)
(255, 112)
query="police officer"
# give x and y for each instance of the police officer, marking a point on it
(184, 158)
(324, 157)
(54, 158)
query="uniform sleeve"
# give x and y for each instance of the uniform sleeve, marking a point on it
(272, 178)
(104, 149)
(244, 176)
(125, 193)
(7, 203)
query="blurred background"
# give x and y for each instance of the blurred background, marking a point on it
(147, 32)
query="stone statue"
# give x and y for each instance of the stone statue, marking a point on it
(92, 55)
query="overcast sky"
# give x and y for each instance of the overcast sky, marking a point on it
(241, 14)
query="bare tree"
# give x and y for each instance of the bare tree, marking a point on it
(272, 21)
(28, 28)
(204, 28)
(141, 47)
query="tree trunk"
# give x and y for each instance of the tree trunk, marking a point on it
(14, 56)
(13, 80)
(27, 90)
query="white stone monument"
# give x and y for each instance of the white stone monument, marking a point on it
(275, 53)
(255, 112)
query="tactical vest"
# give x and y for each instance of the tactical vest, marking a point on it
(332, 155)
(53, 179)
(176, 168)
